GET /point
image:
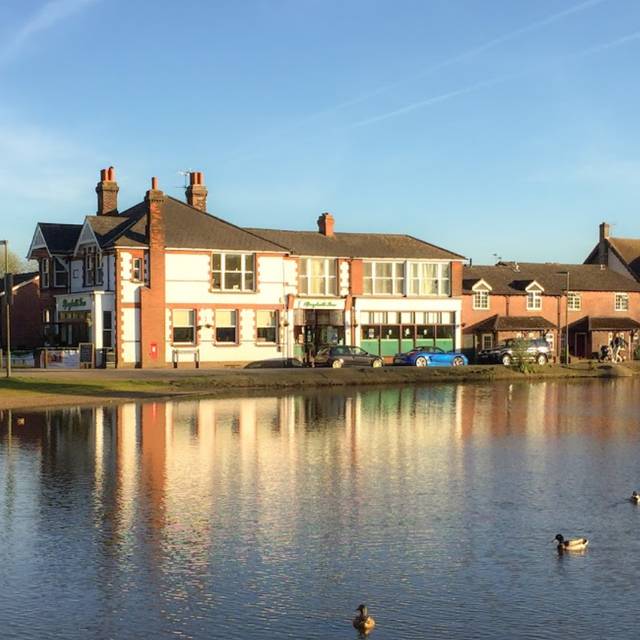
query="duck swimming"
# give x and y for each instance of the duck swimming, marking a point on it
(576, 544)
(363, 622)
(635, 497)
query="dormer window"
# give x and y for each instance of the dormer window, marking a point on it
(481, 291)
(534, 297)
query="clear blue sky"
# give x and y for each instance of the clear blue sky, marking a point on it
(501, 126)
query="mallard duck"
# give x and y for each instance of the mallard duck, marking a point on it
(576, 544)
(635, 497)
(363, 622)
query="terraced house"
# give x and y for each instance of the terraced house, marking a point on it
(590, 302)
(165, 282)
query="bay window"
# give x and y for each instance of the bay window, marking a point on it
(429, 279)
(384, 278)
(233, 271)
(317, 277)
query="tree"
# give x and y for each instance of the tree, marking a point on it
(16, 263)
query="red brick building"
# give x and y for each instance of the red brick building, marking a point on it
(533, 300)
(26, 321)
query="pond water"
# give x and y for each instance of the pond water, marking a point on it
(274, 517)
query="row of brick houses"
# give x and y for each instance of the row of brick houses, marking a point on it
(165, 282)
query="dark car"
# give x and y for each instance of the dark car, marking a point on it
(516, 349)
(345, 356)
(276, 363)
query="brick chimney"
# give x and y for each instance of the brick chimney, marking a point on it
(326, 223)
(603, 247)
(107, 190)
(196, 191)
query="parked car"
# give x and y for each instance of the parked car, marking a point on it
(430, 357)
(346, 356)
(276, 363)
(537, 350)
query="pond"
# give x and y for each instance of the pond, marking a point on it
(275, 517)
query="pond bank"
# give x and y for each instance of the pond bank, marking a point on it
(41, 388)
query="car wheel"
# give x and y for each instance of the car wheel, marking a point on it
(337, 364)
(457, 362)
(506, 359)
(377, 363)
(421, 361)
(541, 359)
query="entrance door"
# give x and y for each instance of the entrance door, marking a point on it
(581, 345)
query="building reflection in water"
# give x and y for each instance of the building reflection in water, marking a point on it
(178, 492)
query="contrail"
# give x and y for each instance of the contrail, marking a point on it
(490, 83)
(465, 55)
(470, 53)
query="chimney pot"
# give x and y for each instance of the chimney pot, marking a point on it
(197, 191)
(107, 190)
(326, 223)
(154, 183)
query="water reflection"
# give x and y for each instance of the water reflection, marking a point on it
(275, 516)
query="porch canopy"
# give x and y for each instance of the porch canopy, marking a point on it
(513, 323)
(597, 323)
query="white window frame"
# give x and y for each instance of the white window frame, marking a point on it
(192, 326)
(418, 278)
(137, 269)
(274, 326)
(247, 270)
(59, 267)
(236, 328)
(481, 300)
(328, 278)
(621, 302)
(484, 343)
(45, 274)
(534, 296)
(373, 279)
(574, 301)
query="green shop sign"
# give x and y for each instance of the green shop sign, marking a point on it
(68, 304)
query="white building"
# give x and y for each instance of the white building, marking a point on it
(166, 283)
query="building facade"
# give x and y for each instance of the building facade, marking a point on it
(542, 300)
(165, 283)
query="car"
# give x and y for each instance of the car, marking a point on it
(276, 363)
(536, 350)
(430, 357)
(346, 356)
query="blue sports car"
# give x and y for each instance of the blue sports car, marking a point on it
(430, 357)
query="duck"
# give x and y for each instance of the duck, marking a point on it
(635, 497)
(575, 544)
(363, 622)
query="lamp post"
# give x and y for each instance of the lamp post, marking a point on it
(566, 316)
(7, 306)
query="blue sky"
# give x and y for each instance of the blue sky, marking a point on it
(502, 126)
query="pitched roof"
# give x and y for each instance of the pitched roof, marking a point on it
(351, 245)
(597, 323)
(60, 238)
(189, 228)
(510, 278)
(513, 323)
(125, 229)
(629, 250)
(20, 279)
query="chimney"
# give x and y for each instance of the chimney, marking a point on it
(154, 194)
(107, 190)
(603, 248)
(196, 191)
(326, 223)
